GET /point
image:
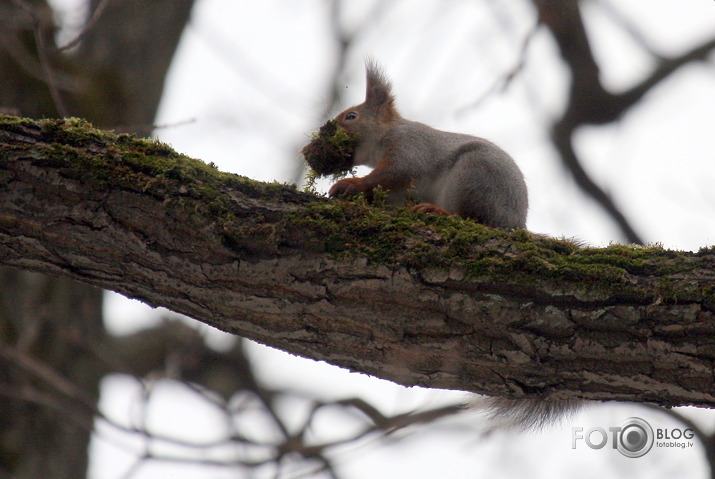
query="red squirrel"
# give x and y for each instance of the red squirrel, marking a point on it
(448, 173)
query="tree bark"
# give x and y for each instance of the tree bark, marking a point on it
(418, 300)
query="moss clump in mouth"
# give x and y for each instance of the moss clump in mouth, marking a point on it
(331, 150)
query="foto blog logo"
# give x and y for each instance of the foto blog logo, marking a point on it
(633, 438)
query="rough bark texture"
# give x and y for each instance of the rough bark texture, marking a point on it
(436, 302)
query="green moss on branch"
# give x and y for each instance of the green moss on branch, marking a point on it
(102, 160)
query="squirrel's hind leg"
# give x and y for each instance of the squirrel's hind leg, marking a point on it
(430, 209)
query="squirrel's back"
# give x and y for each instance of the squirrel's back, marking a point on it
(463, 174)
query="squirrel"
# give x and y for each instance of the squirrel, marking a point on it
(447, 173)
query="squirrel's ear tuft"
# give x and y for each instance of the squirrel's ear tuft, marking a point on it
(379, 91)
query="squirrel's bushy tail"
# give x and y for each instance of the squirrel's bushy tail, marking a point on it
(527, 414)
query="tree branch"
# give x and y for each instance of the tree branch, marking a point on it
(418, 300)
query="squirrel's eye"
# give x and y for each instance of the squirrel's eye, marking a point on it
(351, 116)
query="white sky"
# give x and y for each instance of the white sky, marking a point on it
(253, 76)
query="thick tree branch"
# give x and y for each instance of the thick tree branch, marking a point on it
(419, 300)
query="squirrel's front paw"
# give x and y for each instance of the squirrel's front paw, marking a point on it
(347, 186)
(430, 209)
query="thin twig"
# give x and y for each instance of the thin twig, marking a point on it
(628, 27)
(505, 80)
(148, 128)
(38, 25)
(87, 26)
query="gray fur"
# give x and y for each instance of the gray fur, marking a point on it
(527, 414)
(462, 174)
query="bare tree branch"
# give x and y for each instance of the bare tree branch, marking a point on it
(41, 25)
(590, 102)
(418, 300)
